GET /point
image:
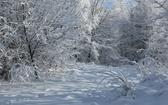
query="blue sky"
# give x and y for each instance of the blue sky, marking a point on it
(108, 4)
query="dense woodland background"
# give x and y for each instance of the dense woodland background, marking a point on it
(42, 36)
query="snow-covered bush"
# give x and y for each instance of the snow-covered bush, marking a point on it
(21, 73)
(124, 85)
(120, 84)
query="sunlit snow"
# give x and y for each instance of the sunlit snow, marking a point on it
(81, 86)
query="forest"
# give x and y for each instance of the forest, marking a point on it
(118, 40)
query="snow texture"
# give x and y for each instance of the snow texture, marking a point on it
(83, 85)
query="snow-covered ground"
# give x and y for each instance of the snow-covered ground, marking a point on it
(89, 85)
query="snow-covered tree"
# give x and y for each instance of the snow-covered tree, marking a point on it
(102, 31)
(158, 43)
(36, 35)
(92, 14)
(135, 32)
(106, 35)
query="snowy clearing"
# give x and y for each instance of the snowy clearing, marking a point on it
(81, 86)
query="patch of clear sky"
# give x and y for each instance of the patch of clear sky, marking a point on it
(110, 3)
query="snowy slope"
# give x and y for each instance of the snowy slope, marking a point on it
(81, 86)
